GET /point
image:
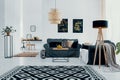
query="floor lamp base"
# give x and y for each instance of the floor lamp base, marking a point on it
(99, 46)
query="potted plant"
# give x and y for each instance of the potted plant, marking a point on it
(8, 30)
(117, 47)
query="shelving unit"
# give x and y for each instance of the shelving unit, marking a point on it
(29, 44)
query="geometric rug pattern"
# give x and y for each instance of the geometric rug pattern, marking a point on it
(52, 73)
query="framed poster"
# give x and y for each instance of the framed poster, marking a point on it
(63, 26)
(33, 28)
(77, 25)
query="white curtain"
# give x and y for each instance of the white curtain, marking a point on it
(113, 16)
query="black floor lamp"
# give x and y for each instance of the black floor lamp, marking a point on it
(100, 24)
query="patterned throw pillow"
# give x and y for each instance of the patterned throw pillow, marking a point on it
(64, 43)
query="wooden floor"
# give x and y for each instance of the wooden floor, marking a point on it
(27, 54)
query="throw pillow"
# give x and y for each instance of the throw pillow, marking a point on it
(69, 43)
(64, 43)
(75, 44)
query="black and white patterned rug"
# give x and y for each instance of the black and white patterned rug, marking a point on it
(52, 73)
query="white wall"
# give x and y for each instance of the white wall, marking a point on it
(1, 25)
(35, 12)
(113, 15)
(32, 15)
(12, 18)
(88, 10)
(23, 13)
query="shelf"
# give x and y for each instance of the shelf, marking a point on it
(32, 40)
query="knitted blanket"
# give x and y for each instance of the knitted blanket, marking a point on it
(110, 50)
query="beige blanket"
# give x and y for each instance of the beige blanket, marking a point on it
(110, 50)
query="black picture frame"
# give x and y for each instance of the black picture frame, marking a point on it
(63, 26)
(33, 28)
(77, 25)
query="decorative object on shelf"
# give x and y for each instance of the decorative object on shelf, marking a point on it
(36, 38)
(30, 46)
(54, 15)
(8, 30)
(99, 24)
(117, 47)
(29, 37)
(77, 25)
(63, 26)
(33, 28)
(8, 46)
(59, 46)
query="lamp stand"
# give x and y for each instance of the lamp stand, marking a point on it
(99, 45)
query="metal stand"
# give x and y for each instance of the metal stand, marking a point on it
(23, 46)
(100, 44)
(60, 59)
(8, 46)
(42, 54)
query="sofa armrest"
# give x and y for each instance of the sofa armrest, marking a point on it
(79, 46)
(46, 46)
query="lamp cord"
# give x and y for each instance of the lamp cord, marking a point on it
(55, 4)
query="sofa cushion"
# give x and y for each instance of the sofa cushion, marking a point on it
(54, 44)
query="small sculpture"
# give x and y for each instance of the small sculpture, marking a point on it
(59, 46)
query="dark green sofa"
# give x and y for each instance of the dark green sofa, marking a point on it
(73, 51)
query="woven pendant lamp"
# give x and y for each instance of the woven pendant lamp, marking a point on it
(54, 16)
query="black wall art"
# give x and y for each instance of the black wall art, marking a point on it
(63, 26)
(77, 25)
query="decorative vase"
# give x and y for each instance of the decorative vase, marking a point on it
(8, 33)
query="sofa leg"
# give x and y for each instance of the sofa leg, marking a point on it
(60, 59)
(42, 54)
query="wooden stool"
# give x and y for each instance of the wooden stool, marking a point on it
(30, 46)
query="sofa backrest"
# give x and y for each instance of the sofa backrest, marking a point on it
(55, 42)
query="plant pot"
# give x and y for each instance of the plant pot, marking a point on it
(8, 33)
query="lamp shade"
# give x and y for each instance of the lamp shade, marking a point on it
(100, 23)
(54, 16)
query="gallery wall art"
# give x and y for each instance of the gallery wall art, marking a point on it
(77, 25)
(63, 26)
(33, 28)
